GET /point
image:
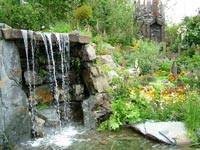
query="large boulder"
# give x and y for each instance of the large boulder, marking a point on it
(173, 133)
(14, 114)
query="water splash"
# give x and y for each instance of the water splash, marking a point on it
(62, 139)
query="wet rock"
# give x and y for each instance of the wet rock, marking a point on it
(78, 89)
(35, 79)
(39, 130)
(50, 116)
(96, 109)
(88, 53)
(173, 133)
(43, 94)
(14, 115)
(78, 92)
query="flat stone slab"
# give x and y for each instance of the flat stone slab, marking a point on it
(14, 34)
(173, 133)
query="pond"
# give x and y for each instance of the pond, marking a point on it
(76, 137)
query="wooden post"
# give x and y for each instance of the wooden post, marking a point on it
(174, 70)
(179, 50)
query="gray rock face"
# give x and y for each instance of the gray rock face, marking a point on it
(94, 108)
(173, 133)
(14, 116)
(88, 53)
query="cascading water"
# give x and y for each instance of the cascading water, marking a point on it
(56, 96)
(63, 44)
(55, 57)
(30, 102)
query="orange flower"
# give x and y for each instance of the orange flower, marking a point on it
(171, 77)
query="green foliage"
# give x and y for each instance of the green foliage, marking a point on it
(42, 106)
(193, 31)
(118, 57)
(24, 17)
(83, 13)
(148, 55)
(114, 19)
(171, 33)
(60, 27)
(123, 112)
(166, 66)
(191, 115)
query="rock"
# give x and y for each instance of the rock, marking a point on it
(100, 84)
(173, 133)
(39, 130)
(94, 80)
(107, 60)
(95, 108)
(50, 116)
(43, 94)
(88, 53)
(78, 92)
(14, 114)
(33, 76)
(4, 26)
(78, 89)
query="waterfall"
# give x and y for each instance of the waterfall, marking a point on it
(44, 38)
(56, 96)
(63, 52)
(63, 44)
(31, 95)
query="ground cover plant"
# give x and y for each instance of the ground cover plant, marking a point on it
(156, 94)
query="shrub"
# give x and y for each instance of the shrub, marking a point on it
(83, 13)
(147, 54)
(24, 17)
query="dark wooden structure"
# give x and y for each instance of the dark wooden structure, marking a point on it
(151, 15)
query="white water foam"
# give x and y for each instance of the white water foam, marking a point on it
(62, 139)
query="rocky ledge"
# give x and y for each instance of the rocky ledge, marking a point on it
(14, 34)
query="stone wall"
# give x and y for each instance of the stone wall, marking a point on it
(86, 88)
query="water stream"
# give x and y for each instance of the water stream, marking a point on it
(56, 96)
(30, 101)
(63, 44)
